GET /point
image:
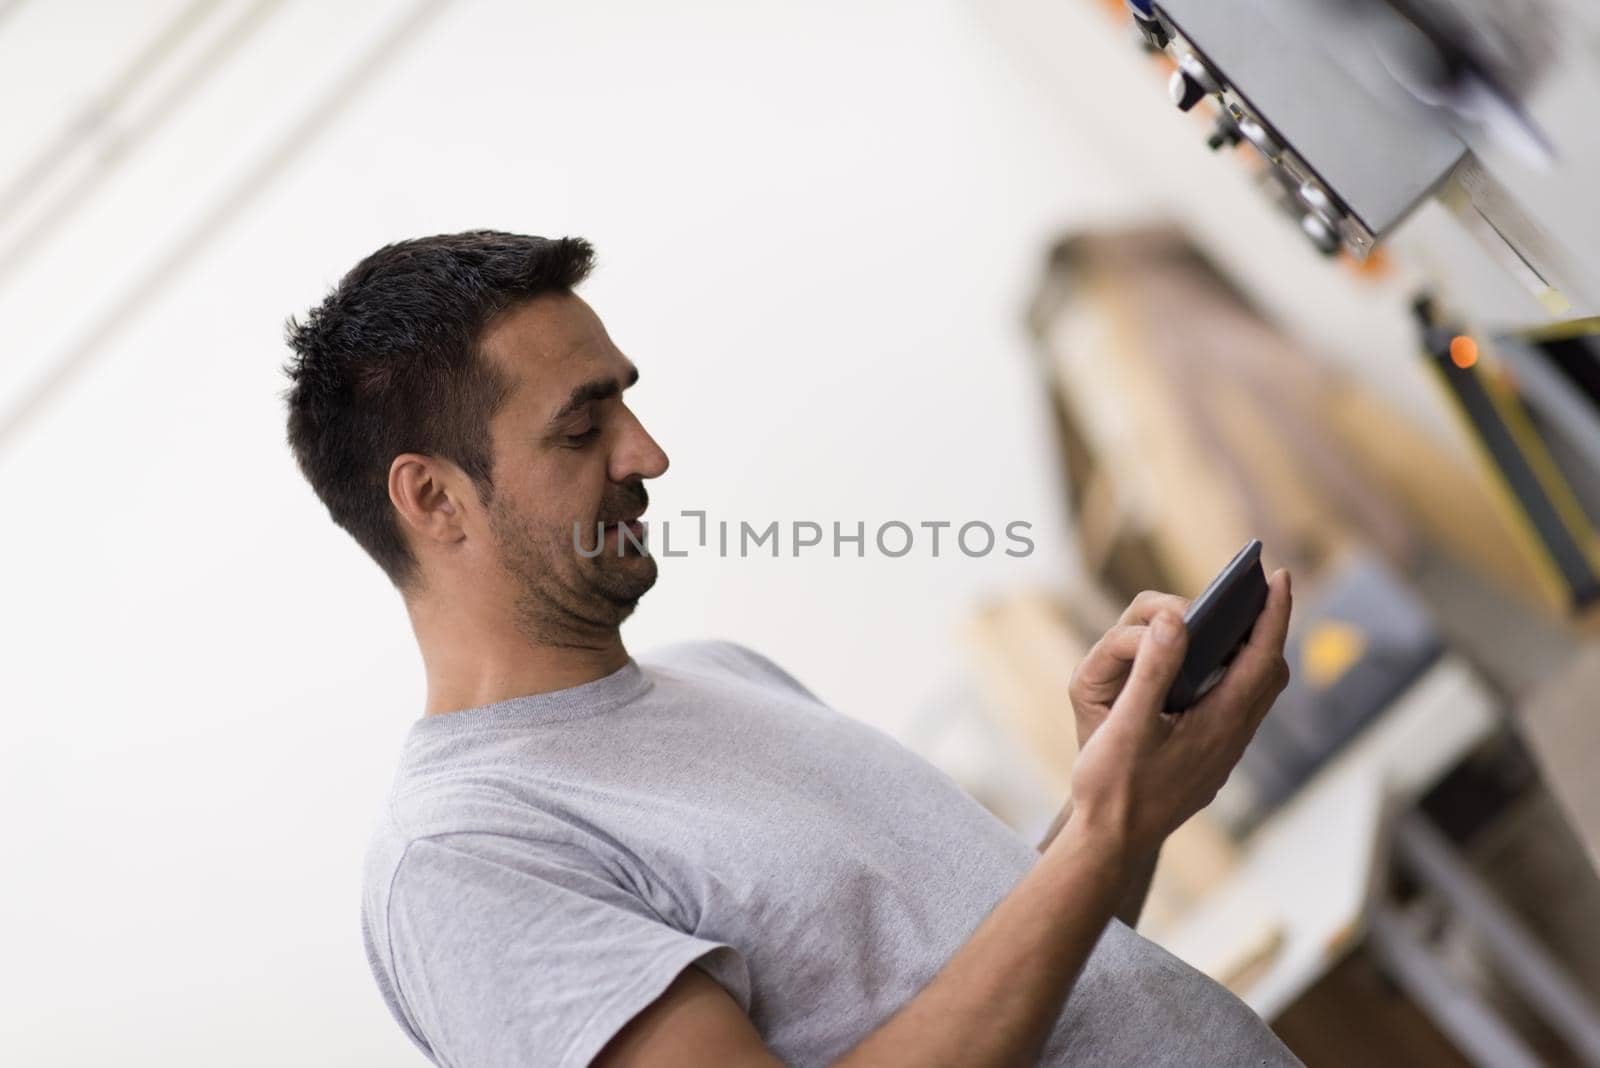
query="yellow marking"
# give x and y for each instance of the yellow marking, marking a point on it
(1551, 581)
(1562, 331)
(1331, 649)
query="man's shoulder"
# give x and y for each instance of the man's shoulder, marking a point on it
(725, 658)
(466, 820)
(704, 653)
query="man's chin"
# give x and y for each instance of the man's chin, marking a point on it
(625, 579)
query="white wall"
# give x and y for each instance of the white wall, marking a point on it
(817, 223)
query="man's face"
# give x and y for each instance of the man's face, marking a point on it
(568, 457)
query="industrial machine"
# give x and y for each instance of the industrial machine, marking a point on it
(1362, 109)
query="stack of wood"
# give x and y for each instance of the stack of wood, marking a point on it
(1190, 424)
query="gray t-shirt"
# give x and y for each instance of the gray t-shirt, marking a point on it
(547, 865)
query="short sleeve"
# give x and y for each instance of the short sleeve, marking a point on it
(515, 952)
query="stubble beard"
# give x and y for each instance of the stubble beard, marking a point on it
(560, 596)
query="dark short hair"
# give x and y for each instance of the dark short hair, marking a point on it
(390, 362)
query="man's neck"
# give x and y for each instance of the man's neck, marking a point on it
(470, 663)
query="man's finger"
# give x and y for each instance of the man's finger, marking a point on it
(1143, 608)
(1272, 625)
(1107, 662)
(1276, 683)
(1155, 665)
(1258, 673)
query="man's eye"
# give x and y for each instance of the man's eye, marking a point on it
(585, 437)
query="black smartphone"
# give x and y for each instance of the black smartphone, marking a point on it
(1219, 621)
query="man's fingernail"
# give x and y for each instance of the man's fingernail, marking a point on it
(1165, 630)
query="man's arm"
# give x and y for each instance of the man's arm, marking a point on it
(1096, 683)
(1143, 870)
(1141, 774)
(991, 1005)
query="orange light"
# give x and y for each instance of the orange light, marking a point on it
(1463, 351)
(1376, 265)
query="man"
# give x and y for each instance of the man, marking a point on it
(686, 859)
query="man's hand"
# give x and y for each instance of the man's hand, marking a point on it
(1095, 684)
(1100, 676)
(1141, 771)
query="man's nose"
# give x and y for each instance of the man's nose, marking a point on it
(637, 455)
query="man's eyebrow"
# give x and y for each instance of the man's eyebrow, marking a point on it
(597, 390)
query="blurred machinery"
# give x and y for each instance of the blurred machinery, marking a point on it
(1356, 113)
(1361, 109)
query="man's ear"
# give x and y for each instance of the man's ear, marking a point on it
(427, 492)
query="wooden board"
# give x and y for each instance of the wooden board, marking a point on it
(1449, 500)
(1196, 424)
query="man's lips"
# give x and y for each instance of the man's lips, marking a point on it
(635, 527)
